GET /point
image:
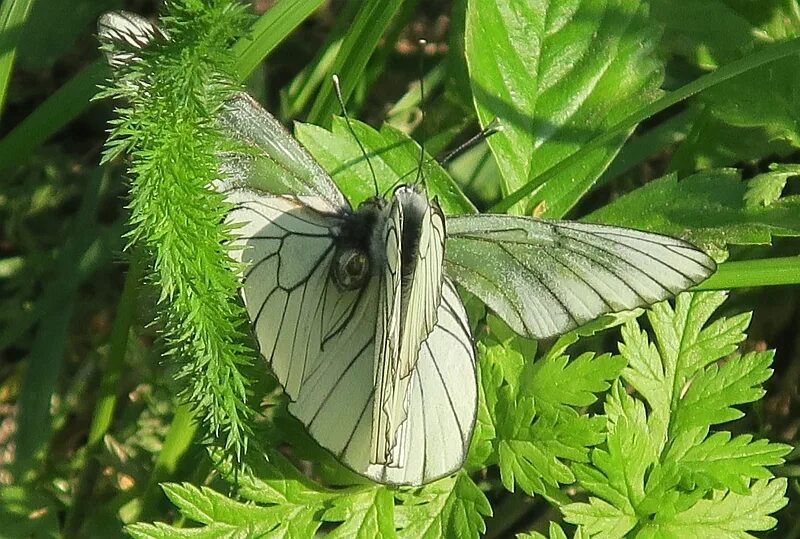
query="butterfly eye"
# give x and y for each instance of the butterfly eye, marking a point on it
(350, 269)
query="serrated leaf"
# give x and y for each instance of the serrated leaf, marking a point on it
(451, 507)
(722, 462)
(707, 209)
(629, 452)
(490, 379)
(600, 519)
(555, 533)
(535, 456)
(658, 466)
(556, 75)
(712, 394)
(730, 515)
(223, 517)
(766, 188)
(594, 327)
(683, 341)
(364, 515)
(270, 479)
(525, 463)
(556, 382)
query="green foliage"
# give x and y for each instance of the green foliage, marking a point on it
(739, 120)
(289, 505)
(394, 157)
(661, 472)
(175, 217)
(539, 71)
(712, 209)
(666, 438)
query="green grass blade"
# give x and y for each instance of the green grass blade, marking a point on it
(107, 400)
(752, 273)
(46, 357)
(13, 14)
(54, 113)
(640, 149)
(268, 31)
(358, 46)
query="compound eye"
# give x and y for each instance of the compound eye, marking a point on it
(350, 269)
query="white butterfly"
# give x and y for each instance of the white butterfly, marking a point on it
(355, 309)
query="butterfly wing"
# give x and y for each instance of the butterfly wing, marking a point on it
(442, 402)
(320, 343)
(412, 282)
(124, 33)
(299, 316)
(272, 160)
(547, 277)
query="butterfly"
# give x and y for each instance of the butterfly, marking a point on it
(357, 310)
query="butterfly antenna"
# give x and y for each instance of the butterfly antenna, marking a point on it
(421, 177)
(493, 127)
(339, 97)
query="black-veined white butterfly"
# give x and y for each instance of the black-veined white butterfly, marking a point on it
(356, 311)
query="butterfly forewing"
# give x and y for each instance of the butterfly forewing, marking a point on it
(272, 160)
(547, 277)
(287, 247)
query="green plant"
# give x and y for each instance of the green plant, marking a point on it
(569, 82)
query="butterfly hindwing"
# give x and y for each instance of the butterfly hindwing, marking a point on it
(414, 251)
(547, 277)
(442, 401)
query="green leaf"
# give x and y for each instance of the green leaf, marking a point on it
(535, 442)
(722, 462)
(713, 392)
(600, 519)
(13, 17)
(555, 533)
(734, 32)
(659, 465)
(707, 208)
(557, 382)
(223, 516)
(54, 27)
(628, 454)
(364, 515)
(267, 33)
(766, 188)
(490, 379)
(538, 72)
(359, 43)
(271, 479)
(450, 507)
(739, 121)
(394, 158)
(728, 515)
(741, 103)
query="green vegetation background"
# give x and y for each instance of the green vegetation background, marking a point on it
(89, 423)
